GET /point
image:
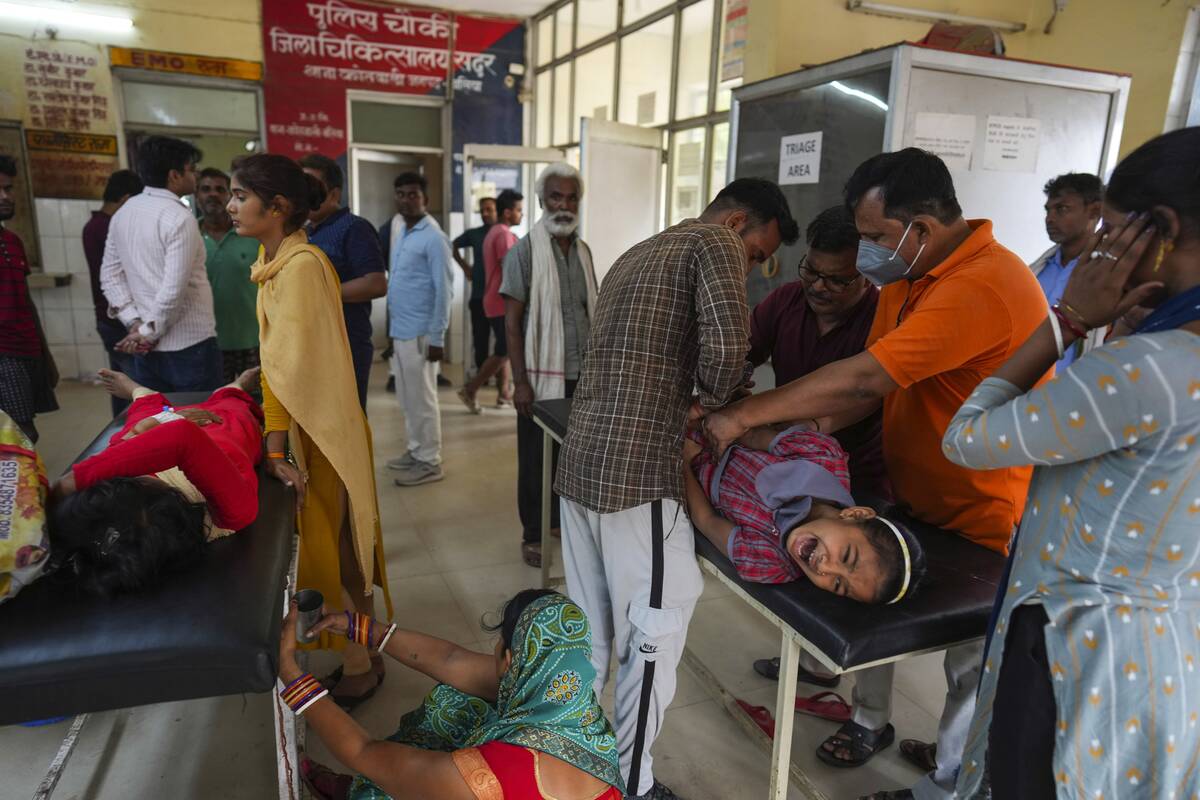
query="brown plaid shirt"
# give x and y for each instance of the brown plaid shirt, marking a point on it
(671, 318)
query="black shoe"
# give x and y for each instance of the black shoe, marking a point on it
(391, 384)
(658, 791)
(769, 669)
(442, 380)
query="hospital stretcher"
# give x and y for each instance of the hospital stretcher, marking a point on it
(209, 631)
(952, 608)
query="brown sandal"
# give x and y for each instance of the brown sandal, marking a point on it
(324, 783)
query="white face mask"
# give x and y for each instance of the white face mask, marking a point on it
(882, 266)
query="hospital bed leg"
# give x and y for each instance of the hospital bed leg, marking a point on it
(785, 714)
(547, 497)
(48, 784)
(289, 729)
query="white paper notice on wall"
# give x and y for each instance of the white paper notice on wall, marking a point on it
(951, 137)
(1011, 144)
(800, 158)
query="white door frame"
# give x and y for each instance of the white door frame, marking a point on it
(491, 153)
(600, 130)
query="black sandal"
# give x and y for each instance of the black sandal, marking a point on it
(862, 744)
(899, 794)
(769, 669)
(922, 755)
(331, 680)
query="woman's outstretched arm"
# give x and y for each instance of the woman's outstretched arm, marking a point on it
(445, 662)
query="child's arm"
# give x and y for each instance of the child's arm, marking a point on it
(704, 517)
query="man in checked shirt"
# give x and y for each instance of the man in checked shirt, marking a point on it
(671, 319)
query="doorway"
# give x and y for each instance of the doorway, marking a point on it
(488, 170)
(372, 176)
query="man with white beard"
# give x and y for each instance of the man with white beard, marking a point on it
(549, 288)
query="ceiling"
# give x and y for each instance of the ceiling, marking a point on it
(506, 8)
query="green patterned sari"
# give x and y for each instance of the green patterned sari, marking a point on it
(545, 703)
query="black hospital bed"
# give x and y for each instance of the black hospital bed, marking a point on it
(952, 608)
(212, 630)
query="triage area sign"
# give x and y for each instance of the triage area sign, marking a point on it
(800, 158)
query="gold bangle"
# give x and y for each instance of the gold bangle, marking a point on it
(1083, 323)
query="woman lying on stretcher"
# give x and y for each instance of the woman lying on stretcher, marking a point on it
(170, 480)
(778, 505)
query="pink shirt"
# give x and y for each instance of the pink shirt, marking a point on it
(496, 244)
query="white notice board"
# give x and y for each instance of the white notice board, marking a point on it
(800, 158)
(1002, 141)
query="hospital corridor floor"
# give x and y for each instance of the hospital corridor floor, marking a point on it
(453, 555)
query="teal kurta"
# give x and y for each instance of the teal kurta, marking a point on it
(545, 703)
(1110, 546)
(228, 261)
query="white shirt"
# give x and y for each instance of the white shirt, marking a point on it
(153, 270)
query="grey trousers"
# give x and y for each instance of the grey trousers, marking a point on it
(872, 701)
(634, 573)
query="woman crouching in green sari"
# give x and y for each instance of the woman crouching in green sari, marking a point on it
(523, 722)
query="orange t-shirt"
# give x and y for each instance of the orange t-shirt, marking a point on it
(938, 338)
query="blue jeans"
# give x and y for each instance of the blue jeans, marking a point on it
(192, 369)
(362, 353)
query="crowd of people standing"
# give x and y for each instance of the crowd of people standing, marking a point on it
(1047, 412)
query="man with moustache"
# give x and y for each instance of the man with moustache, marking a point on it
(228, 258)
(549, 290)
(1073, 203)
(27, 373)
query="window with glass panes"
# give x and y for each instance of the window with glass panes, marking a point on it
(654, 63)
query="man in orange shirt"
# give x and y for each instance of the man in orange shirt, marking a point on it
(955, 305)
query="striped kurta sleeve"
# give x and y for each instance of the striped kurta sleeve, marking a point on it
(1104, 402)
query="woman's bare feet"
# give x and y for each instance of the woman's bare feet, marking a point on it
(118, 384)
(248, 380)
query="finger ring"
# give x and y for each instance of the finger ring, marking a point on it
(1096, 254)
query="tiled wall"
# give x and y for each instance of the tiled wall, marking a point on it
(67, 311)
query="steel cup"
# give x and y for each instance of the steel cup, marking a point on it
(308, 603)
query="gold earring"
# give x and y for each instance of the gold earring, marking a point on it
(275, 212)
(1163, 249)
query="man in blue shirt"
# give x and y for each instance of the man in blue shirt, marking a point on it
(353, 248)
(419, 289)
(1073, 204)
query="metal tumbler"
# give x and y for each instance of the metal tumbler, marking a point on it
(309, 603)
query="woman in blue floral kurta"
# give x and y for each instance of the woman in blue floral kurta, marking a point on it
(1109, 547)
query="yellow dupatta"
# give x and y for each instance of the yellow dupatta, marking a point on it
(305, 356)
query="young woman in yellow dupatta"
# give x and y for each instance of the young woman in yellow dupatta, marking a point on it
(317, 436)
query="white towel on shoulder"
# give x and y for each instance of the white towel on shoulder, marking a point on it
(545, 356)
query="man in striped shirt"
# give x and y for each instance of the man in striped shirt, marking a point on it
(671, 318)
(154, 277)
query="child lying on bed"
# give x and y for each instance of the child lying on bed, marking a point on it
(170, 480)
(778, 505)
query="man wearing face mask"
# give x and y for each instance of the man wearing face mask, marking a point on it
(954, 306)
(549, 291)
(672, 320)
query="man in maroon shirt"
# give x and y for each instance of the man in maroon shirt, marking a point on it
(122, 184)
(802, 326)
(27, 373)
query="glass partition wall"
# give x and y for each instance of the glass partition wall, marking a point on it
(654, 63)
